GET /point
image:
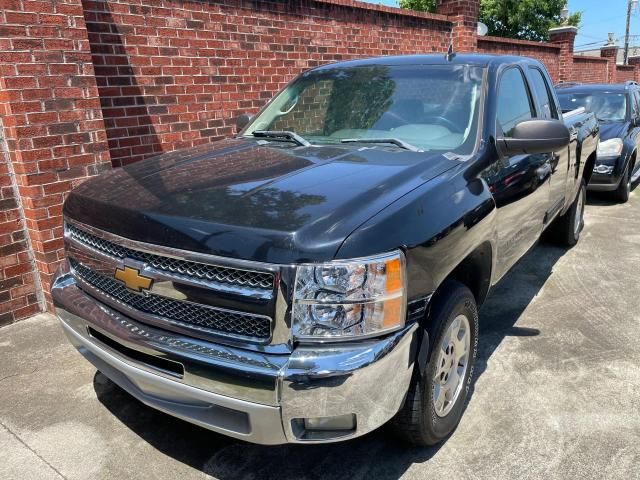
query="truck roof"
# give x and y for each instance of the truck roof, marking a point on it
(481, 60)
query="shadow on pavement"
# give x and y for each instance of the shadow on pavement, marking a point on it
(510, 297)
(606, 198)
(226, 458)
(378, 454)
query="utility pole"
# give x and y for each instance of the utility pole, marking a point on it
(630, 6)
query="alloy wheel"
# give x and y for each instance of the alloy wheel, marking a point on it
(452, 365)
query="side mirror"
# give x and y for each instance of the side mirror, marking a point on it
(535, 136)
(243, 120)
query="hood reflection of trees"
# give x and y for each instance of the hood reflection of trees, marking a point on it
(359, 98)
(265, 207)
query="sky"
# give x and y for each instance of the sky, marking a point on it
(598, 18)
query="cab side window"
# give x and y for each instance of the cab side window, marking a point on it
(543, 93)
(635, 105)
(513, 102)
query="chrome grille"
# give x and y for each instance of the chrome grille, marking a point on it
(185, 314)
(186, 268)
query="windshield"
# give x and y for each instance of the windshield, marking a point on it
(606, 106)
(430, 107)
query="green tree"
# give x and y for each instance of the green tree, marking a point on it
(523, 19)
(420, 5)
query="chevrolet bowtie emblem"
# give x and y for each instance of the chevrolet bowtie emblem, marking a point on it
(132, 279)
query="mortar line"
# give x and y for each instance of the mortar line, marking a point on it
(32, 450)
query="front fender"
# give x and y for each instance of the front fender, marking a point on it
(438, 225)
(628, 151)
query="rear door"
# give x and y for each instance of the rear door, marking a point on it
(519, 183)
(560, 160)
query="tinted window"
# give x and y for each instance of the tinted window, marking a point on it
(607, 106)
(514, 105)
(431, 107)
(540, 86)
(636, 103)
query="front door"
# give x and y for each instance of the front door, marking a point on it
(520, 183)
(559, 160)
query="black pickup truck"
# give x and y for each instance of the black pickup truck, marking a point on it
(320, 274)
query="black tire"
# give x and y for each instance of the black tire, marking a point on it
(417, 422)
(621, 194)
(564, 231)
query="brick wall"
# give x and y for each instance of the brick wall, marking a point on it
(177, 74)
(625, 72)
(590, 69)
(545, 52)
(18, 296)
(610, 53)
(52, 126)
(87, 84)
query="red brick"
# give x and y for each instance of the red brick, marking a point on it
(21, 18)
(20, 82)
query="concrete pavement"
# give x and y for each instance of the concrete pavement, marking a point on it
(557, 392)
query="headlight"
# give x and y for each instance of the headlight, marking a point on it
(347, 299)
(609, 148)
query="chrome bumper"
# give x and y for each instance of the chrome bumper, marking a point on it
(253, 396)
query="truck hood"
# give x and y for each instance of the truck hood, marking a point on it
(613, 129)
(241, 198)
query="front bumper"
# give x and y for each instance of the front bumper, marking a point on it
(602, 182)
(606, 174)
(254, 396)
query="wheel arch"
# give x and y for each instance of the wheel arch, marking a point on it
(588, 168)
(475, 270)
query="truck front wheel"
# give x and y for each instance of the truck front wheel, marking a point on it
(438, 393)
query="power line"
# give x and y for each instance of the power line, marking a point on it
(604, 41)
(599, 42)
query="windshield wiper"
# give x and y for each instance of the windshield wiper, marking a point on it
(395, 141)
(284, 134)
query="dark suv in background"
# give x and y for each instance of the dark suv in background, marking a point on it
(617, 107)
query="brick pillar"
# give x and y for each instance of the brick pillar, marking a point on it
(564, 38)
(635, 62)
(52, 121)
(464, 16)
(610, 52)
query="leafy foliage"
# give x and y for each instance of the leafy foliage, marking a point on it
(523, 19)
(366, 91)
(420, 5)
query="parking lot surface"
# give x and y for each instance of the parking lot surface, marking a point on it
(557, 391)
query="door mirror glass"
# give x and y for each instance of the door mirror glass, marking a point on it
(242, 121)
(535, 136)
